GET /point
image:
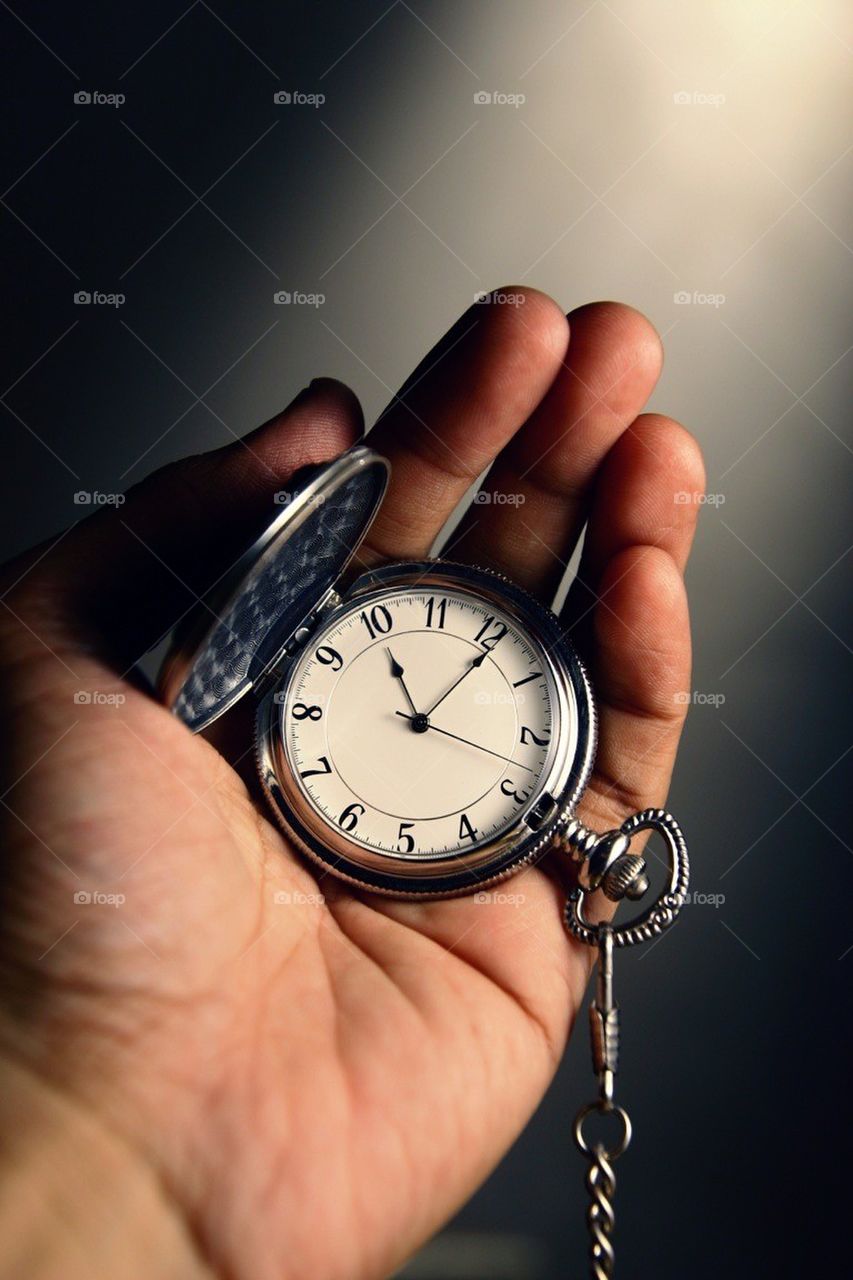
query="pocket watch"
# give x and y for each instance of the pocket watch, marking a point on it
(422, 729)
(425, 729)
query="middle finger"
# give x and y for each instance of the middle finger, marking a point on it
(529, 514)
(457, 411)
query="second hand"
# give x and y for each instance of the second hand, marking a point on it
(469, 743)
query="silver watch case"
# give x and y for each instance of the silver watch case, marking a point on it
(286, 589)
(535, 825)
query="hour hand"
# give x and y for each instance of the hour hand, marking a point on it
(399, 674)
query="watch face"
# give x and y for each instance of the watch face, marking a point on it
(427, 729)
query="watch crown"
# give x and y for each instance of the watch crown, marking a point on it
(626, 878)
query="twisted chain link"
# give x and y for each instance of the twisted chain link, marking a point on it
(600, 1216)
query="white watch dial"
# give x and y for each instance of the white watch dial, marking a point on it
(421, 722)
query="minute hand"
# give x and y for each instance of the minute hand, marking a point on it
(478, 662)
(435, 729)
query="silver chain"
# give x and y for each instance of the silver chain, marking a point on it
(600, 1216)
(600, 1177)
(607, 864)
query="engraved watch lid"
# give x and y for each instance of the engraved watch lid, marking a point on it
(242, 628)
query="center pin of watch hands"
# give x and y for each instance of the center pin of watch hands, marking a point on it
(420, 722)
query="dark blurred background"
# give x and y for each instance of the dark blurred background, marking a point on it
(692, 160)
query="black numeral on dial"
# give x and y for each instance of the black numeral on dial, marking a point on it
(466, 831)
(508, 789)
(534, 675)
(329, 657)
(310, 773)
(527, 735)
(302, 712)
(379, 621)
(489, 641)
(350, 816)
(436, 613)
(406, 841)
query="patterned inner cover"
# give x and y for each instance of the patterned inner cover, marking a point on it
(294, 578)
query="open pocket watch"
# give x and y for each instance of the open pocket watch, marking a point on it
(423, 729)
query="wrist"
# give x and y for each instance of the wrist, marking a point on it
(76, 1202)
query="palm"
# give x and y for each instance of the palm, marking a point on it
(321, 1077)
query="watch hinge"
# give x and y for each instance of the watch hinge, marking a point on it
(276, 670)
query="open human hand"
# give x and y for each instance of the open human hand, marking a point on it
(212, 1065)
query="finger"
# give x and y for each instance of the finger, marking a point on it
(639, 501)
(535, 499)
(627, 612)
(127, 575)
(457, 411)
(640, 671)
